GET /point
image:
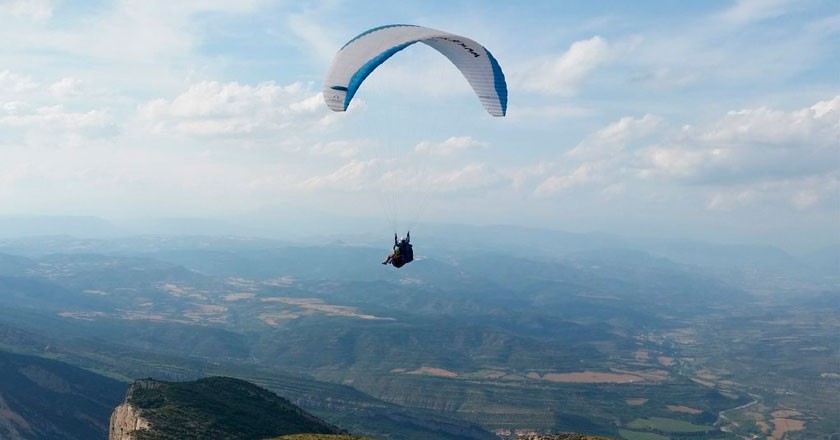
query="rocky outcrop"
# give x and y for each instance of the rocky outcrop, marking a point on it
(125, 420)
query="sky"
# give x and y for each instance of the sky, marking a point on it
(712, 120)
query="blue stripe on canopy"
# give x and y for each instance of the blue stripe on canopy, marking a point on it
(499, 81)
(367, 68)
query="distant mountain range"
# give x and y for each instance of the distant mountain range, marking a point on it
(489, 331)
(516, 240)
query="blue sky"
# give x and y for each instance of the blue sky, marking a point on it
(716, 120)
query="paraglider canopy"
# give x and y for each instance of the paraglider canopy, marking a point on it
(364, 53)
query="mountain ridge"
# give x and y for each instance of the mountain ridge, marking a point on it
(211, 407)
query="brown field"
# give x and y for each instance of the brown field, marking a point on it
(431, 371)
(96, 292)
(84, 316)
(150, 316)
(208, 312)
(178, 291)
(705, 383)
(636, 401)
(641, 355)
(592, 377)
(783, 425)
(238, 296)
(273, 319)
(240, 282)
(173, 289)
(707, 375)
(685, 336)
(653, 375)
(683, 409)
(785, 413)
(317, 305)
(493, 374)
(666, 361)
(763, 426)
(280, 282)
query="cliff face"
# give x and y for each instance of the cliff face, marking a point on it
(126, 418)
(125, 421)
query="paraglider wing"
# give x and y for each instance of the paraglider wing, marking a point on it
(364, 53)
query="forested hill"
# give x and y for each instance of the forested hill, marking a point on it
(213, 407)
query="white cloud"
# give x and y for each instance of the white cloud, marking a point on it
(126, 46)
(729, 199)
(565, 74)
(14, 107)
(53, 118)
(541, 114)
(358, 175)
(586, 173)
(469, 177)
(36, 10)
(450, 146)
(522, 177)
(344, 149)
(211, 108)
(616, 136)
(753, 145)
(747, 11)
(747, 157)
(602, 158)
(66, 87)
(317, 38)
(809, 193)
(353, 176)
(826, 108)
(11, 83)
(35, 113)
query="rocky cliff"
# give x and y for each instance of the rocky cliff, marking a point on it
(125, 420)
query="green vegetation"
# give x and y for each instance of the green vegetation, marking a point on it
(218, 408)
(635, 435)
(667, 425)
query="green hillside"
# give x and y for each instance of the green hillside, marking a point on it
(218, 408)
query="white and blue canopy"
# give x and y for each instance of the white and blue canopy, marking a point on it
(364, 53)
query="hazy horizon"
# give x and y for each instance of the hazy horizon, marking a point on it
(716, 121)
